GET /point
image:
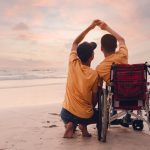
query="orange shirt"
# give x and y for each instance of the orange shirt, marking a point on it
(119, 57)
(81, 82)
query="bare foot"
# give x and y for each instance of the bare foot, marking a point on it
(69, 130)
(84, 131)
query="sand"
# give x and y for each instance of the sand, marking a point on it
(26, 125)
(31, 92)
(40, 128)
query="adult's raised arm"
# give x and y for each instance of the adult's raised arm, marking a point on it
(105, 27)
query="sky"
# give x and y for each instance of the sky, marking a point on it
(39, 33)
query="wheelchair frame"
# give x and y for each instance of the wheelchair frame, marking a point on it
(105, 108)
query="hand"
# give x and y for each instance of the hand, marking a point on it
(102, 25)
(94, 23)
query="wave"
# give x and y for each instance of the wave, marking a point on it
(29, 78)
(31, 74)
(33, 85)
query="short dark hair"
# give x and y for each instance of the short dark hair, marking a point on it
(85, 51)
(109, 43)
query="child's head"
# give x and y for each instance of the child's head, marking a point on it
(85, 51)
(108, 43)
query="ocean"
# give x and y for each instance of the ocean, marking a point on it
(25, 74)
(26, 87)
(15, 76)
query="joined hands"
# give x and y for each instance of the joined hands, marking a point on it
(98, 23)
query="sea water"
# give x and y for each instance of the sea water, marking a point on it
(23, 74)
(24, 87)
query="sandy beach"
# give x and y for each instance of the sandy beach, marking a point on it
(32, 122)
(38, 40)
(31, 92)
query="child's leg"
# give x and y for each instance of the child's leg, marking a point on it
(69, 131)
(67, 118)
(84, 130)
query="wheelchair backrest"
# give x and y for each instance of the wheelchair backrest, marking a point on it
(129, 85)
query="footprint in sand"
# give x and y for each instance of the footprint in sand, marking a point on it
(55, 114)
(51, 126)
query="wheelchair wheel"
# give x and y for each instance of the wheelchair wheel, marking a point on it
(103, 116)
(148, 116)
(138, 125)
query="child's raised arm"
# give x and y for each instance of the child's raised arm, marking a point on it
(83, 34)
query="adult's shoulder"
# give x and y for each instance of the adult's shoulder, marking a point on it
(123, 50)
(100, 65)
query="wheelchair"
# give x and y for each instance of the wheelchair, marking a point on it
(127, 96)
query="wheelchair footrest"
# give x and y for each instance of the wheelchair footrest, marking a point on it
(116, 122)
(122, 122)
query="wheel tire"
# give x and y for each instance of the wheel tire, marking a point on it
(103, 117)
(148, 116)
(99, 116)
(138, 125)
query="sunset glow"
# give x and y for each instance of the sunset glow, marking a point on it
(40, 32)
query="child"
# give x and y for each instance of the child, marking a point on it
(81, 88)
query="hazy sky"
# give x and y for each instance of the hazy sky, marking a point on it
(40, 32)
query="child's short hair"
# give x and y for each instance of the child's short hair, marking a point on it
(85, 51)
(109, 43)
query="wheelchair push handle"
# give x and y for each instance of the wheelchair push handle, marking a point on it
(148, 69)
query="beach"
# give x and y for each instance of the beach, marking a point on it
(28, 92)
(30, 120)
(37, 51)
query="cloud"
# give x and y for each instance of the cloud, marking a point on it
(44, 3)
(23, 37)
(21, 26)
(143, 8)
(32, 37)
(53, 24)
